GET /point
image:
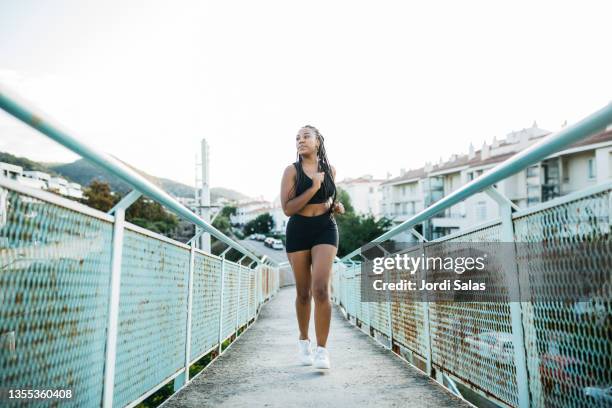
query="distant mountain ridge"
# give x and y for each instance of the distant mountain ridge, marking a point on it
(83, 172)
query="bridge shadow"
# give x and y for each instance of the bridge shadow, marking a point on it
(261, 369)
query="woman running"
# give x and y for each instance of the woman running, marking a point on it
(308, 197)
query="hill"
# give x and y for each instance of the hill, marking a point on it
(83, 172)
(26, 163)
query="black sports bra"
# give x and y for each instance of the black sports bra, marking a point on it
(306, 182)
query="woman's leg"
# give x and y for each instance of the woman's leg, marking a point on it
(300, 264)
(323, 256)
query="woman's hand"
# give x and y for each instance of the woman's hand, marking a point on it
(317, 179)
(339, 207)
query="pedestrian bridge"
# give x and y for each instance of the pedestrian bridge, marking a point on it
(97, 311)
(260, 369)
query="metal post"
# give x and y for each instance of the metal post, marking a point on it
(249, 298)
(126, 201)
(389, 314)
(204, 204)
(183, 379)
(257, 287)
(222, 286)
(251, 271)
(113, 308)
(198, 232)
(388, 297)
(353, 266)
(417, 235)
(361, 263)
(260, 284)
(426, 324)
(427, 329)
(516, 315)
(115, 287)
(189, 310)
(238, 298)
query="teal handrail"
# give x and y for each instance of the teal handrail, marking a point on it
(41, 122)
(552, 143)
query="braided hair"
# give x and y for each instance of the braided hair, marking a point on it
(328, 184)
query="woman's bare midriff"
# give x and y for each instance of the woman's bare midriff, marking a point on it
(312, 210)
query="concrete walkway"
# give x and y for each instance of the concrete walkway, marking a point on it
(260, 370)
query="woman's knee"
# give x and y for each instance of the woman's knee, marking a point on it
(320, 291)
(304, 296)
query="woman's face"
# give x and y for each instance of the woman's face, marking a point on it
(306, 142)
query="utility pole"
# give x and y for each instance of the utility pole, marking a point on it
(202, 195)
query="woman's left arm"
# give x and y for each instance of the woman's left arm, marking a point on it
(338, 206)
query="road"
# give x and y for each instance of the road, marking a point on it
(258, 247)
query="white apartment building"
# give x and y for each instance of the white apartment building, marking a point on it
(583, 164)
(10, 170)
(249, 209)
(58, 185)
(42, 180)
(365, 194)
(74, 190)
(36, 179)
(402, 196)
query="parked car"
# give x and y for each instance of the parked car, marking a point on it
(260, 237)
(494, 345)
(277, 244)
(268, 242)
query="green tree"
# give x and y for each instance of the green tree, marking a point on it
(98, 195)
(345, 199)
(151, 215)
(263, 224)
(144, 212)
(222, 223)
(357, 230)
(227, 211)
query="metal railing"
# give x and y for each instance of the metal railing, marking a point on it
(560, 353)
(104, 308)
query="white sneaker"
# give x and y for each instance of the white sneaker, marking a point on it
(321, 358)
(304, 353)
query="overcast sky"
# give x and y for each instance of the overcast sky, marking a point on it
(389, 84)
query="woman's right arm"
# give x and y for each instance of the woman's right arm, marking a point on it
(292, 204)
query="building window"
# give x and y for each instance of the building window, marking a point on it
(470, 176)
(592, 169)
(481, 210)
(411, 208)
(533, 171)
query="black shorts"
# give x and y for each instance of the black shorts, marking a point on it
(304, 232)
